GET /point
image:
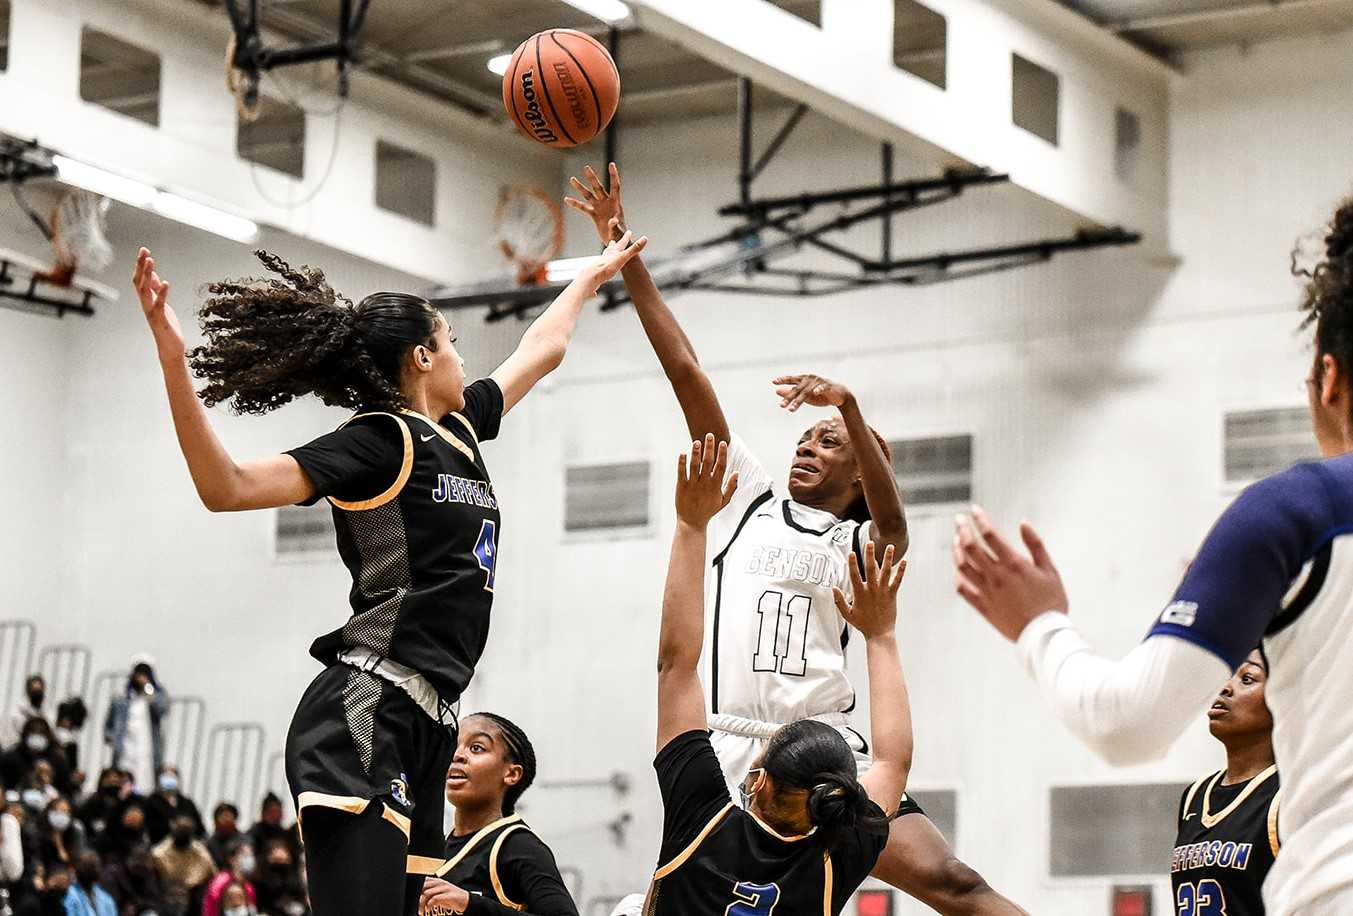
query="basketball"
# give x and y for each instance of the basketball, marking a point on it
(561, 88)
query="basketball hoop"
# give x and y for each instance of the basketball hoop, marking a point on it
(78, 232)
(529, 230)
(243, 85)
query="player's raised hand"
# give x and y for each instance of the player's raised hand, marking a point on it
(872, 608)
(442, 898)
(1006, 587)
(601, 205)
(814, 390)
(617, 254)
(701, 491)
(154, 295)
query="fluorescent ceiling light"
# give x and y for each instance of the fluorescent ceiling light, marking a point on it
(609, 10)
(205, 217)
(499, 64)
(127, 190)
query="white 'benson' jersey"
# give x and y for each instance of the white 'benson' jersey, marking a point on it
(775, 643)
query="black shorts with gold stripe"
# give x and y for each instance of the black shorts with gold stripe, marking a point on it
(358, 740)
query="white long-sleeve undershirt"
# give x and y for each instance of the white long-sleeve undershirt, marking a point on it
(11, 849)
(1126, 711)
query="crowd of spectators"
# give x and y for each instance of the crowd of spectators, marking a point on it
(131, 843)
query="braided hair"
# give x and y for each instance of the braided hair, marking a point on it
(1328, 298)
(272, 340)
(519, 751)
(813, 756)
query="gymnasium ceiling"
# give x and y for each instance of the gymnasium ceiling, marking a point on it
(440, 47)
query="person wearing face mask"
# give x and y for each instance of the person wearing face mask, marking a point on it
(85, 896)
(97, 811)
(235, 901)
(225, 821)
(70, 719)
(239, 870)
(36, 743)
(133, 725)
(278, 883)
(125, 831)
(135, 885)
(183, 864)
(167, 803)
(30, 707)
(61, 837)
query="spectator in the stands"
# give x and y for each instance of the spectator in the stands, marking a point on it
(70, 718)
(35, 743)
(86, 897)
(133, 725)
(279, 886)
(97, 811)
(135, 885)
(61, 838)
(169, 802)
(235, 901)
(30, 707)
(183, 864)
(125, 830)
(11, 849)
(43, 780)
(225, 821)
(239, 870)
(269, 827)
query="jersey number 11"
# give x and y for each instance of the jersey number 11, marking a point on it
(782, 635)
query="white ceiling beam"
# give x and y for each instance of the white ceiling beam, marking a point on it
(1222, 13)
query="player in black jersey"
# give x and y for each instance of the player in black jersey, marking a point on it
(417, 525)
(495, 864)
(1228, 821)
(809, 831)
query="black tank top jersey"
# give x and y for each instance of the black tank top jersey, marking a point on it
(417, 527)
(506, 863)
(719, 859)
(1227, 841)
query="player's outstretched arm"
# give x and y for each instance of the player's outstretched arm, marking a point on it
(695, 393)
(881, 493)
(221, 484)
(700, 493)
(545, 342)
(873, 611)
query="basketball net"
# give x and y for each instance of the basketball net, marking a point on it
(529, 230)
(79, 236)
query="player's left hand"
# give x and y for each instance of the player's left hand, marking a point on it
(603, 206)
(617, 254)
(872, 608)
(814, 390)
(1006, 587)
(442, 898)
(701, 491)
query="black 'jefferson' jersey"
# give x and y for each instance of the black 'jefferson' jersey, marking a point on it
(507, 869)
(1228, 838)
(417, 526)
(719, 859)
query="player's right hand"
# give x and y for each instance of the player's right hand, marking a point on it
(872, 607)
(601, 205)
(154, 294)
(701, 491)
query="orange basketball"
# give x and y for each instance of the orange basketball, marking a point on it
(561, 87)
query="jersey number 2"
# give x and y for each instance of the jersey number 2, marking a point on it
(753, 899)
(782, 633)
(1203, 899)
(486, 551)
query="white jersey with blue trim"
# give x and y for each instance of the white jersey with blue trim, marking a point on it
(1279, 565)
(775, 643)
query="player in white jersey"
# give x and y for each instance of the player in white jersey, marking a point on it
(1277, 567)
(775, 645)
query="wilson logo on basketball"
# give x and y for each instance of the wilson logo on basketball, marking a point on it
(533, 115)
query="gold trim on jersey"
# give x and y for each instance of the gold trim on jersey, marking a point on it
(1188, 798)
(423, 865)
(468, 428)
(404, 824)
(400, 480)
(783, 839)
(1212, 820)
(474, 841)
(826, 883)
(1273, 841)
(349, 803)
(445, 433)
(686, 853)
(503, 898)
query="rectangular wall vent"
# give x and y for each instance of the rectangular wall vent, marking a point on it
(1112, 830)
(606, 496)
(120, 76)
(934, 471)
(1257, 443)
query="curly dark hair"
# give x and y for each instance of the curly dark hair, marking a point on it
(1328, 299)
(272, 340)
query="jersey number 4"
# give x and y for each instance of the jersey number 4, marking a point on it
(486, 551)
(782, 634)
(753, 899)
(1202, 899)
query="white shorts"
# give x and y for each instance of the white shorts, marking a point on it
(739, 743)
